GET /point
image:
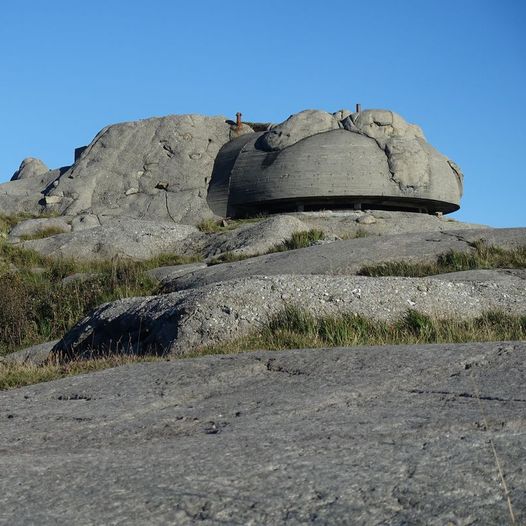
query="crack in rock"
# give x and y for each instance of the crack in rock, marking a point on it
(467, 395)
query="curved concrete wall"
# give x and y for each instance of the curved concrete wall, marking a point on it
(338, 168)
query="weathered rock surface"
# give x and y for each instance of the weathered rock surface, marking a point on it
(32, 227)
(127, 238)
(491, 275)
(297, 127)
(180, 322)
(185, 168)
(35, 355)
(249, 240)
(253, 239)
(369, 435)
(26, 195)
(348, 257)
(29, 168)
(156, 168)
(412, 161)
(173, 271)
(347, 224)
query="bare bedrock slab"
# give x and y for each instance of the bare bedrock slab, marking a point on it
(370, 435)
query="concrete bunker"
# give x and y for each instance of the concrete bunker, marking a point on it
(316, 160)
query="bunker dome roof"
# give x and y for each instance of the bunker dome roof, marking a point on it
(317, 160)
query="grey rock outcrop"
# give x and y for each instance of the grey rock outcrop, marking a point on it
(186, 168)
(253, 239)
(366, 435)
(348, 257)
(181, 322)
(348, 224)
(157, 168)
(26, 195)
(126, 238)
(173, 271)
(412, 161)
(297, 127)
(33, 227)
(29, 168)
(34, 355)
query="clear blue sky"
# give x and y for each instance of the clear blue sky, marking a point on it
(457, 68)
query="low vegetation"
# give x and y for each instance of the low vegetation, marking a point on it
(41, 234)
(482, 257)
(44, 298)
(19, 375)
(301, 240)
(39, 304)
(295, 328)
(356, 234)
(210, 226)
(297, 240)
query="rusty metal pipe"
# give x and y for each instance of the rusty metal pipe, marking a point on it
(238, 119)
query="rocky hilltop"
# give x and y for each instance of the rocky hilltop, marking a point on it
(138, 187)
(326, 230)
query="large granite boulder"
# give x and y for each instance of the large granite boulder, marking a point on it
(412, 161)
(186, 168)
(297, 127)
(39, 227)
(27, 194)
(184, 321)
(253, 239)
(120, 237)
(30, 167)
(156, 168)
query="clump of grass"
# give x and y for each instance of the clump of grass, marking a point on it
(357, 234)
(294, 327)
(9, 221)
(483, 257)
(210, 225)
(41, 234)
(302, 239)
(18, 375)
(360, 233)
(297, 240)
